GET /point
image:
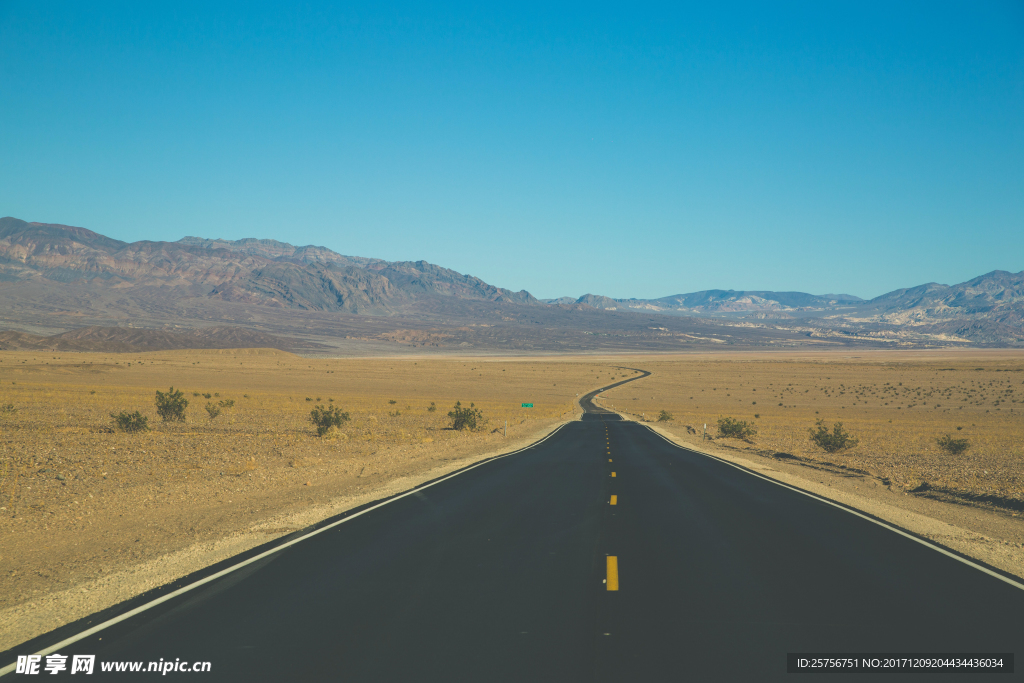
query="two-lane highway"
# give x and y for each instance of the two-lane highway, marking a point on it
(603, 553)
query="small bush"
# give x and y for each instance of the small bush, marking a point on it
(466, 418)
(665, 416)
(171, 406)
(325, 417)
(8, 409)
(213, 409)
(308, 398)
(432, 407)
(831, 442)
(395, 413)
(131, 422)
(952, 446)
(207, 395)
(392, 402)
(731, 428)
(227, 403)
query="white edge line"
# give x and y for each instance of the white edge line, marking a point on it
(852, 511)
(142, 608)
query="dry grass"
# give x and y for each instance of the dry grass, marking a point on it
(896, 404)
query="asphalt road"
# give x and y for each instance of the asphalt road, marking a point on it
(502, 574)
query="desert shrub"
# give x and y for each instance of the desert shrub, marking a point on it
(207, 395)
(432, 407)
(308, 398)
(465, 418)
(392, 402)
(325, 417)
(952, 446)
(665, 416)
(213, 409)
(732, 428)
(131, 422)
(395, 413)
(831, 442)
(227, 403)
(8, 409)
(171, 406)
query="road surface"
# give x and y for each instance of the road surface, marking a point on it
(522, 569)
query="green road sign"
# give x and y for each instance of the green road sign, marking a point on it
(527, 405)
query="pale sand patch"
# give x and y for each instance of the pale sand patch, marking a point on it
(43, 614)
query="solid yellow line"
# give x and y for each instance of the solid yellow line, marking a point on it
(613, 474)
(613, 573)
(615, 500)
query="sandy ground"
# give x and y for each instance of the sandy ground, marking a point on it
(992, 536)
(91, 516)
(100, 515)
(251, 521)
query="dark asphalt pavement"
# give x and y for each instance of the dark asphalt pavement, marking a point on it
(498, 574)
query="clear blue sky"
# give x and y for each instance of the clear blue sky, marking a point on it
(621, 150)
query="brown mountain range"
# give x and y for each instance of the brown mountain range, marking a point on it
(263, 272)
(56, 278)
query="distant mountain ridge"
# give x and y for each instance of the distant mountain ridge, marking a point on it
(253, 271)
(718, 301)
(988, 308)
(66, 271)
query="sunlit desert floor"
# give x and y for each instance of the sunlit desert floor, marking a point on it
(896, 404)
(91, 516)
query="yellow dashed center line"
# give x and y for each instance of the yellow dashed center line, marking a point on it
(612, 582)
(613, 573)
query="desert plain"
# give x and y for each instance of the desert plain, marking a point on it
(91, 515)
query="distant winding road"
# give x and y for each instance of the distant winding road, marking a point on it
(602, 553)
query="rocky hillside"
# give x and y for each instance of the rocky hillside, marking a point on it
(988, 309)
(251, 271)
(720, 301)
(997, 296)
